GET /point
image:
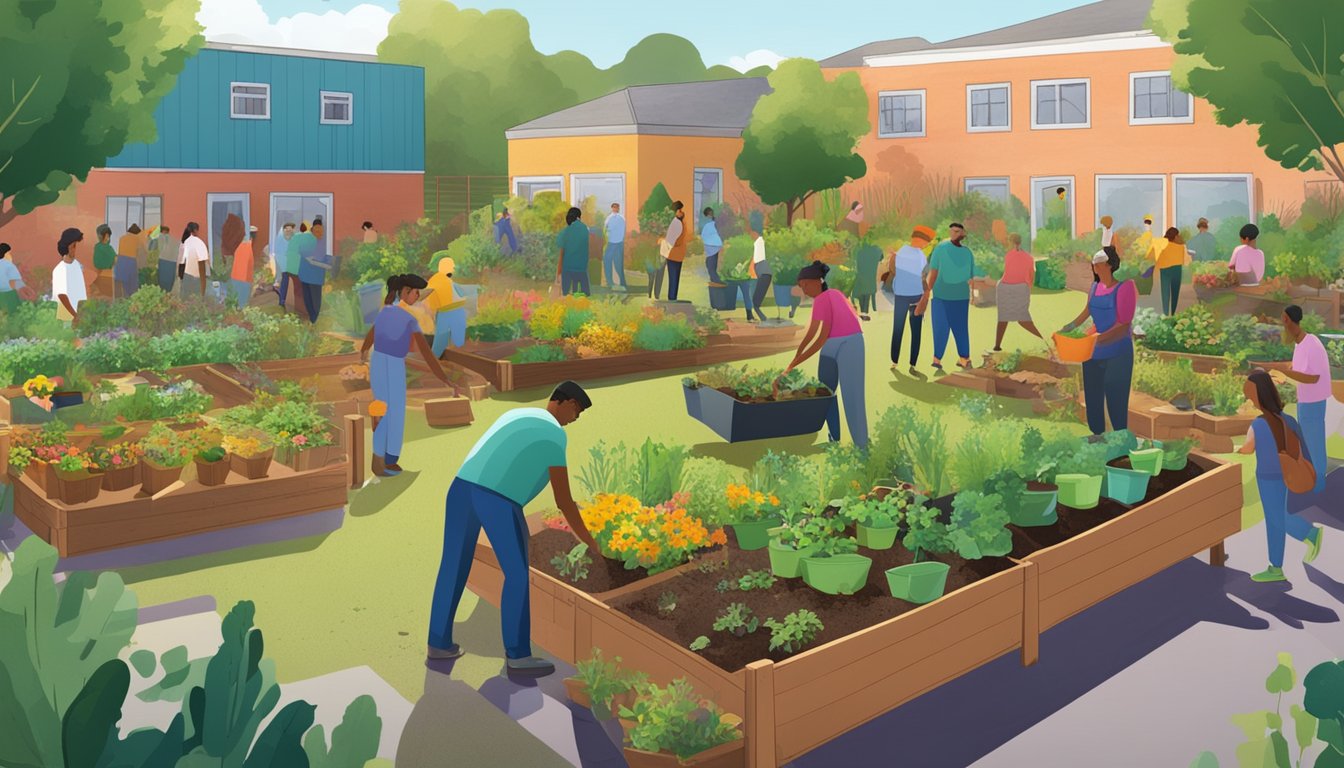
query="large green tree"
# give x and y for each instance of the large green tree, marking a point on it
(78, 80)
(483, 75)
(1276, 65)
(802, 137)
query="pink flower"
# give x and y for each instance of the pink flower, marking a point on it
(300, 440)
(116, 460)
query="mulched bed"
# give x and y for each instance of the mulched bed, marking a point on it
(699, 603)
(603, 575)
(819, 392)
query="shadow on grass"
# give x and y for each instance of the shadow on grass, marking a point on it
(746, 454)
(134, 574)
(377, 496)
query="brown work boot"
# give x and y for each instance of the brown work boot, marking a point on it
(378, 466)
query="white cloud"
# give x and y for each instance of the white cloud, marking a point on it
(755, 59)
(358, 30)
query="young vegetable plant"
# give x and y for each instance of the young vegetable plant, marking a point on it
(573, 565)
(979, 526)
(667, 602)
(762, 579)
(605, 680)
(699, 644)
(926, 533)
(796, 630)
(738, 619)
(724, 585)
(827, 533)
(677, 721)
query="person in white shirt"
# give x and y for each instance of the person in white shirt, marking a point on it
(1107, 234)
(760, 268)
(67, 278)
(194, 257)
(613, 258)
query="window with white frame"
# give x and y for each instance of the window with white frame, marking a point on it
(1128, 199)
(1061, 103)
(1216, 197)
(988, 107)
(145, 211)
(900, 114)
(1153, 100)
(993, 187)
(528, 187)
(250, 101)
(338, 108)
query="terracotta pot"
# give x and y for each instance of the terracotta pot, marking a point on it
(578, 691)
(252, 467)
(212, 472)
(730, 755)
(78, 487)
(43, 475)
(154, 478)
(121, 478)
(311, 458)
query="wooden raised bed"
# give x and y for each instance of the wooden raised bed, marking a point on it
(794, 706)
(1158, 420)
(507, 376)
(1029, 382)
(126, 518)
(1199, 363)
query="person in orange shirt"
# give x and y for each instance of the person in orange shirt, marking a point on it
(1171, 256)
(676, 237)
(1014, 291)
(240, 283)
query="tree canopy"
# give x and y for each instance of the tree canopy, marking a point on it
(78, 80)
(802, 137)
(1268, 63)
(483, 75)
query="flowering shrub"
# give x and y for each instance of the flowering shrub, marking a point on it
(673, 333)
(166, 447)
(655, 538)
(20, 456)
(1196, 330)
(604, 340)
(747, 506)
(73, 461)
(539, 353)
(40, 386)
(245, 445)
(116, 456)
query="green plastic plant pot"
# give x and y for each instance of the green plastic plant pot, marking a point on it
(918, 582)
(1079, 491)
(838, 574)
(787, 562)
(754, 535)
(1036, 509)
(1176, 465)
(877, 538)
(1149, 460)
(1127, 486)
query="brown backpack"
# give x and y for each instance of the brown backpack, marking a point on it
(1298, 473)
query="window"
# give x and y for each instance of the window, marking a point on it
(995, 188)
(708, 189)
(250, 101)
(988, 107)
(338, 108)
(1052, 204)
(1216, 197)
(528, 187)
(301, 208)
(1154, 101)
(1061, 104)
(144, 210)
(1127, 199)
(900, 114)
(604, 188)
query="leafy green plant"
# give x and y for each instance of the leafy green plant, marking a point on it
(1081, 332)
(672, 333)
(605, 680)
(657, 471)
(825, 532)
(1175, 452)
(792, 478)
(887, 455)
(539, 353)
(1010, 362)
(757, 384)
(353, 743)
(667, 602)
(574, 564)
(1010, 487)
(759, 579)
(984, 451)
(1086, 458)
(608, 469)
(844, 472)
(703, 480)
(676, 720)
(1227, 393)
(976, 406)
(927, 533)
(167, 447)
(724, 585)
(699, 644)
(796, 630)
(736, 618)
(979, 526)
(877, 513)
(1050, 275)
(925, 442)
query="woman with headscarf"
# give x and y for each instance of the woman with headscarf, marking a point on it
(835, 333)
(1107, 376)
(394, 331)
(1269, 437)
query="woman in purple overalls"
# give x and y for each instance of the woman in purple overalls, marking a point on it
(1107, 376)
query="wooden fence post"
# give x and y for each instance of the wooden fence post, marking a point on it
(354, 448)
(759, 719)
(1031, 615)
(5, 437)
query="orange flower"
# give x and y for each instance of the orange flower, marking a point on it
(718, 537)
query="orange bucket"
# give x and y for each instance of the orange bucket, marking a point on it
(1073, 350)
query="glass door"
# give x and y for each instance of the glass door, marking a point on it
(299, 209)
(227, 223)
(1052, 204)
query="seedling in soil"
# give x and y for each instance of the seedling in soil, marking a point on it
(574, 564)
(700, 643)
(738, 619)
(667, 602)
(795, 631)
(761, 579)
(724, 585)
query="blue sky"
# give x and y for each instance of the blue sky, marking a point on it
(604, 29)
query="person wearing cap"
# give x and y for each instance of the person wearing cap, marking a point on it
(1108, 375)
(948, 291)
(448, 307)
(835, 332)
(1107, 232)
(1203, 246)
(1014, 291)
(240, 282)
(905, 269)
(508, 467)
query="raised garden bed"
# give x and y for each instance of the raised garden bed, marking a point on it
(1033, 378)
(127, 517)
(735, 420)
(1157, 419)
(792, 706)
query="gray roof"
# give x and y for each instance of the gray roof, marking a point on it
(224, 43)
(710, 108)
(854, 56)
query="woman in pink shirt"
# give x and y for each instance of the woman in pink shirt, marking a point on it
(835, 333)
(1108, 375)
(1014, 291)
(1248, 262)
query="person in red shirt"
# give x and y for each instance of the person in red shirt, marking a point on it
(1014, 291)
(240, 283)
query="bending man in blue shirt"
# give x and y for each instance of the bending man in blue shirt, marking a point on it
(511, 463)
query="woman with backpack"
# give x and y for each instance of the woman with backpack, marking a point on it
(1282, 463)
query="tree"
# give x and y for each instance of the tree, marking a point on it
(79, 79)
(1271, 64)
(801, 138)
(657, 210)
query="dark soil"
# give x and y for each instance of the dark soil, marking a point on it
(1073, 522)
(603, 575)
(699, 603)
(820, 392)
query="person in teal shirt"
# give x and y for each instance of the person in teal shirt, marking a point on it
(304, 242)
(104, 261)
(314, 262)
(949, 285)
(865, 278)
(507, 468)
(1203, 246)
(572, 271)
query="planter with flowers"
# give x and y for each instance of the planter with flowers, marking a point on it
(210, 457)
(166, 453)
(303, 437)
(674, 726)
(752, 514)
(355, 378)
(77, 479)
(120, 463)
(250, 453)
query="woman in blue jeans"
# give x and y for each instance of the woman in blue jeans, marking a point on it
(835, 333)
(1268, 437)
(1107, 376)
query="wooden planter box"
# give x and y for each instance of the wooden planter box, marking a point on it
(127, 517)
(793, 706)
(1200, 363)
(309, 459)
(448, 412)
